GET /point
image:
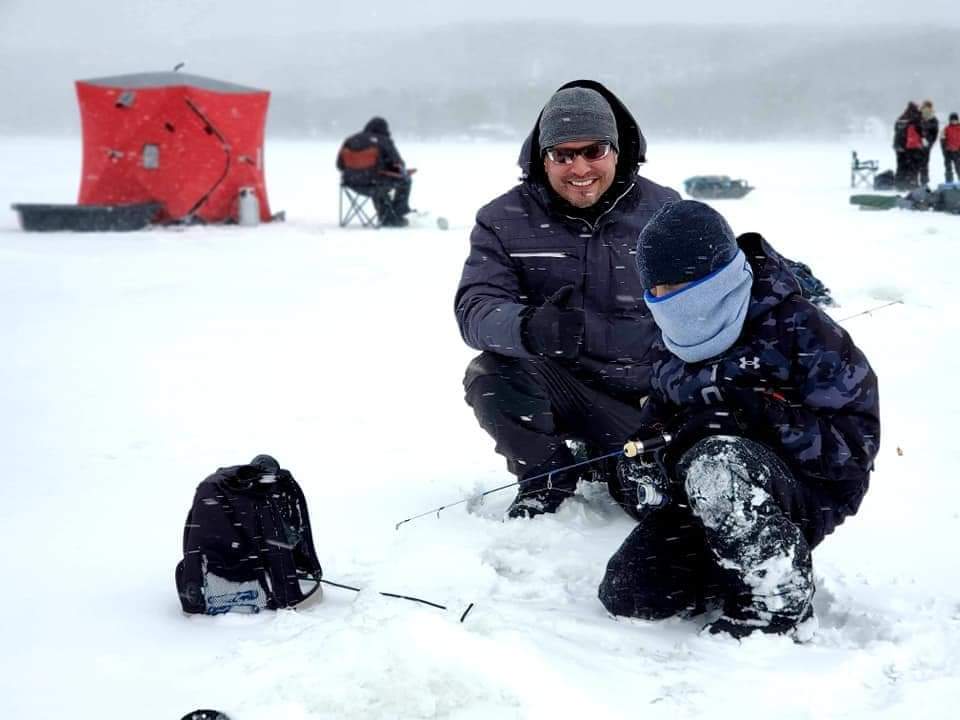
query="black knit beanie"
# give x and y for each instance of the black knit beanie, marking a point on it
(577, 113)
(685, 240)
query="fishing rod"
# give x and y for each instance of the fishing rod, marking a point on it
(870, 311)
(401, 597)
(630, 449)
(548, 475)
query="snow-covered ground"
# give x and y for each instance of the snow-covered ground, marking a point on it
(132, 365)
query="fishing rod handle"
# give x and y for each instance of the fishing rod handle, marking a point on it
(633, 448)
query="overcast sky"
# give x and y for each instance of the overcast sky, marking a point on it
(842, 74)
(60, 23)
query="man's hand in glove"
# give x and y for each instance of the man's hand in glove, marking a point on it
(554, 330)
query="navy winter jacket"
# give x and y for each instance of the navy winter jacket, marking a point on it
(794, 378)
(528, 243)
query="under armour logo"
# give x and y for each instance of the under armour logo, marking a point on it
(754, 363)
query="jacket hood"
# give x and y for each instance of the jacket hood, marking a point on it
(773, 282)
(377, 126)
(633, 146)
(911, 113)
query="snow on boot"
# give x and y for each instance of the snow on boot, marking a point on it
(528, 504)
(802, 631)
(726, 479)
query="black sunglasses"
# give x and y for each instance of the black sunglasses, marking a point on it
(590, 153)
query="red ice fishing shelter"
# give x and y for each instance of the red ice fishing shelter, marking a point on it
(187, 142)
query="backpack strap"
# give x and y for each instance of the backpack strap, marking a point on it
(306, 548)
(286, 552)
(289, 551)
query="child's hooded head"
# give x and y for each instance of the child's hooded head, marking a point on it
(697, 279)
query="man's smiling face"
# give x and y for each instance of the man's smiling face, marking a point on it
(581, 182)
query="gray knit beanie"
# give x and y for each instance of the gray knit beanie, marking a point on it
(577, 113)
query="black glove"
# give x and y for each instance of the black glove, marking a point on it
(553, 330)
(688, 428)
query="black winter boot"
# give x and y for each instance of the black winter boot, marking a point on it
(543, 495)
(726, 483)
(537, 502)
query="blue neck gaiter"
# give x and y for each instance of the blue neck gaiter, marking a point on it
(705, 318)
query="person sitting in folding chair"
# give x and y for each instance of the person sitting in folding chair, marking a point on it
(371, 165)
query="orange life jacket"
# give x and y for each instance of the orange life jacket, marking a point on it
(365, 159)
(914, 140)
(951, 137)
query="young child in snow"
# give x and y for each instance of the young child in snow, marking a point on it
(775, 423)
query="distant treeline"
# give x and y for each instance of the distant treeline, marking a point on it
(490, 80)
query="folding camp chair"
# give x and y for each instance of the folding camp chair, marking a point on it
(862, 171)
(357, 207)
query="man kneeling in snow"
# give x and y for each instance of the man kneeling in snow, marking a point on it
(775, 423)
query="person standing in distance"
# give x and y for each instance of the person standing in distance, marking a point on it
(930, 127)
(550, 296)
(950, 144)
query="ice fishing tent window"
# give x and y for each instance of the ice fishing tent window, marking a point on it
(151, 156)
(126, 99)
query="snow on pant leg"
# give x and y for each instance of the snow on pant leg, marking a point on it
(731, 483)
(663, 568)
(393, 200)
(529, 406)
(382, 204)
(401, 196)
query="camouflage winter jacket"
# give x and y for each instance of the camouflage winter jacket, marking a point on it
(794, 379)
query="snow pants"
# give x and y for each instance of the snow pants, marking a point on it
(951, 164)
(531, 406)
(909, 166)
(736, 536)
(923, 164)
(393, 204)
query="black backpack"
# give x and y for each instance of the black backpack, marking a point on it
(885, 180)
(810, 285)
(247, 543)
